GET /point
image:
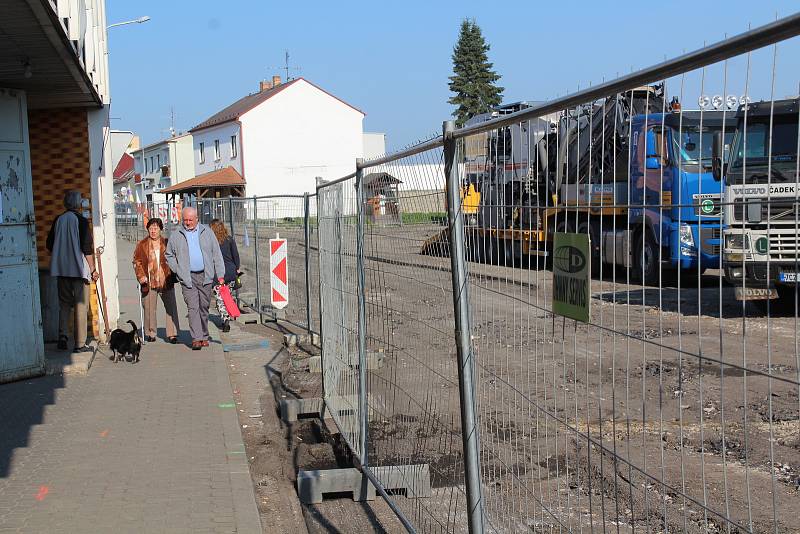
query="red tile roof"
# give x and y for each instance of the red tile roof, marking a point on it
(245, 104)
(219, 178)
(124, 170)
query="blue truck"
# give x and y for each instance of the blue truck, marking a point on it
(631, 171)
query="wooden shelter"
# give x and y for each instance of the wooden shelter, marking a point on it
(221, 183)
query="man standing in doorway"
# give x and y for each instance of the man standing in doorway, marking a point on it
(193, 255)
(72, 263)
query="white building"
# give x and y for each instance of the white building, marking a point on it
(281, 138)
(374, 145)
(163, 164)
(54, 137)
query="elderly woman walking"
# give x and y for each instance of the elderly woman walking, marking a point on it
(155, 279)
(230, 255)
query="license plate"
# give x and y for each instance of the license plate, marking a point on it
(755, 293)
(787, 277)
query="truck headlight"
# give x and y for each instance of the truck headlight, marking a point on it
(737, 241)
(687, 239)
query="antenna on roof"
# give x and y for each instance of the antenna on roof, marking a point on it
(287, 69)
(172, 121)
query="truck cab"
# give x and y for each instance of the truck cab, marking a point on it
(674, 197)
(761, 187)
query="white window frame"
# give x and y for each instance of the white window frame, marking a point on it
(217, 155)
(202, 153)
(234, 148)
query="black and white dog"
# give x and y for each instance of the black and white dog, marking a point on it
(122, 343)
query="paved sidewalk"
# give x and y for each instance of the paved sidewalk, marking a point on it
(151, 447)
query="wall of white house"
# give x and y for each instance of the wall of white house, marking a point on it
(181, 159)
(221, 134)
(297, 135)
(374, 145)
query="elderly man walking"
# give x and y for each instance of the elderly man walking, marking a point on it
(193, 255)
(72, 263)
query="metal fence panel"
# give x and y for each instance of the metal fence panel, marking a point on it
(674, 408)
(339, 304)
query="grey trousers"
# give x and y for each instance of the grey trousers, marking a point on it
(73, 299)
(197, 299)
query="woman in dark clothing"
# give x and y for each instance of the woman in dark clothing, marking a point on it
(230, 254)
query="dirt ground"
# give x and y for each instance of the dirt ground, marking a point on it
(675, 409)
(651, 416)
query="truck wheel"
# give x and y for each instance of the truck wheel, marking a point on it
(645, 261)
(593, 229)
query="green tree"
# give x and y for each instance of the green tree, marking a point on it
(473, 80)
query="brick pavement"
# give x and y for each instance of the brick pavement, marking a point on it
(151, 447)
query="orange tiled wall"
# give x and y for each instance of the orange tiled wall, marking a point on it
(59, 141)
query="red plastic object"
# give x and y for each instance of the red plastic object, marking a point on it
(230, 304)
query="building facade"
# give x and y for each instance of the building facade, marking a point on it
(54, 137)
(281, 138)
(161, 165)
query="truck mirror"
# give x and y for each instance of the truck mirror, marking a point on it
(716, 156)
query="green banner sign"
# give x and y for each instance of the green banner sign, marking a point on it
(571, 275)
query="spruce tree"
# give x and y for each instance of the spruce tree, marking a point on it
(473, 80)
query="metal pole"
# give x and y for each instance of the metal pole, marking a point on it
(466, 370)
(362, 312)
(307, 231)
(255, 252)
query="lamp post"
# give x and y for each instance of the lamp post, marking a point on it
(134, 21)
(140, 20)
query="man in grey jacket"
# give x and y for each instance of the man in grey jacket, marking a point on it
(193, 255)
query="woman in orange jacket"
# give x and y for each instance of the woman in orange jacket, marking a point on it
(155, 278)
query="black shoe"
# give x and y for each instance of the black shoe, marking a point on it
(84, 348)
(226, 327)
(150, 339)
(173, 340)
(62, 343)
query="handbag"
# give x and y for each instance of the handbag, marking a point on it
(237, 283)
(227, 300)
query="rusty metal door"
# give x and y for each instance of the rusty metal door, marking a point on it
(21, 340)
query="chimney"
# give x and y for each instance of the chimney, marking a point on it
(276, 81)
(264, 85)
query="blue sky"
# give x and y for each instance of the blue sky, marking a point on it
(392, 59)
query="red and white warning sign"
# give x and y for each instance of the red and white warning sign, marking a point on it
(277, 268)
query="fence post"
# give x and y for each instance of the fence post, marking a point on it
(255, 252)
(307, 232)
(466, 369)
(230, 213)
(362, 313)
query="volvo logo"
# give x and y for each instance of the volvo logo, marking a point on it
(569, 259)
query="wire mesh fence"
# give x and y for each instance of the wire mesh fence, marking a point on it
(631, 304)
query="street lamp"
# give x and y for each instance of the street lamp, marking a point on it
(134, 21)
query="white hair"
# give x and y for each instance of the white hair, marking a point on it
(72, 200)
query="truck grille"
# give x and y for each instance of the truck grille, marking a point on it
(776, 209)
(707, 235)
(783, 244)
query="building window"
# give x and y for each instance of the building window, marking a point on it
(158, 160)
(216, 149)
(152, 164)
(233, 146)
(202, 152)
(145, 165)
